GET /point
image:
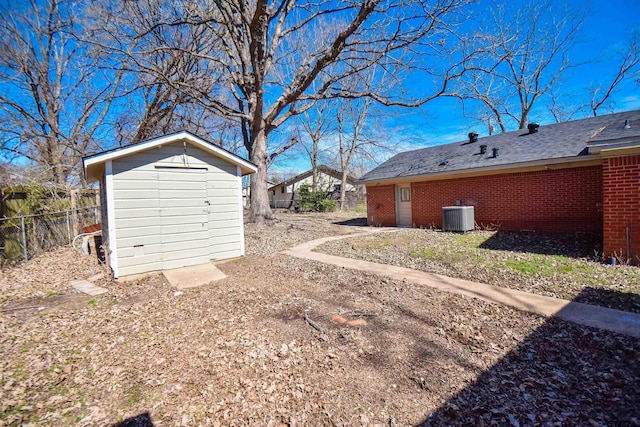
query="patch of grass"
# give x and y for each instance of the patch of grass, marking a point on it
(55, 368)
(469, 240)
(546, 265)
(82, 416)
(20, 371)
(92, 303)
(426, 253)
(374, 243)
(444, 256)
(557, 266)
(26, 413)
(135, 396)
(523, 266)
(633, 275)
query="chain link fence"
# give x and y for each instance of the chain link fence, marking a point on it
(23, 237)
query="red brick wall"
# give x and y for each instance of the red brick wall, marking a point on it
(554, 200)
(621, 205)
(381, 205)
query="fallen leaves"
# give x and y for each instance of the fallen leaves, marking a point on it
(239, 352)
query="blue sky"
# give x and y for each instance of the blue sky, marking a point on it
(604, 33)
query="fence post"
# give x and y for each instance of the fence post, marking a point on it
(75, 214)
(68, 228)
(24, 239)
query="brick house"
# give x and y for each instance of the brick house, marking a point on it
(577, 176)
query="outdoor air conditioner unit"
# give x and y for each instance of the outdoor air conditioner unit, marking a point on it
(457, 218)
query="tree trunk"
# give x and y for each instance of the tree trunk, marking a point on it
(314, 174)
(58, 171)
(260, 211)
(343, 188)
(524, 120)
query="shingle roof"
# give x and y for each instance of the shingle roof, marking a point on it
(321, 168)
(554, 141)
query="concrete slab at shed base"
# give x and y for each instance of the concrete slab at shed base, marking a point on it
(88, 287)
(190, 277)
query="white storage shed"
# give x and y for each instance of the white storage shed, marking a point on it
(169, 202)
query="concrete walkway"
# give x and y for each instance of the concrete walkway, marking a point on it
(583, 314)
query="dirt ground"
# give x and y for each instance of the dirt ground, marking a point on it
(239, 351)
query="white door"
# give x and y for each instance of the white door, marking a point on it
(184, 217)
(403, 205)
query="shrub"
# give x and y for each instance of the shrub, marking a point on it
(314, 201)
(361, 208)
(327, 205)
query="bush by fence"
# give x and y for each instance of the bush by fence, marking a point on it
(23, 237)
(33, 199)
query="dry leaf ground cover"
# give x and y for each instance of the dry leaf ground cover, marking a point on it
(562, 266)
(238, 352)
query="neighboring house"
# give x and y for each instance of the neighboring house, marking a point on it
(246, 193)
(577, 176)
(169, 202)
(286, 194)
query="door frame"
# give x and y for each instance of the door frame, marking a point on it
(403, 197)
(201, 172)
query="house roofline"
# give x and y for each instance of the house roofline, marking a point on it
(323, 168)
(95, 160)
(536, 165)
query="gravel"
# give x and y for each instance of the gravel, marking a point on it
(239, 351)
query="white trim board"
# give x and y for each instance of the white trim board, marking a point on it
(111, 217)
(241, 210)
(97, 159)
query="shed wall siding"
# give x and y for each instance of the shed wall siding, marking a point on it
(137, 206)
(565, 200)
(621, 205)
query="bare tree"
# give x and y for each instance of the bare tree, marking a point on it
(164, 78)
(54, 97)
(259, 42)
(521, 54)
(627, 66)
(358, 138)
(317, 123)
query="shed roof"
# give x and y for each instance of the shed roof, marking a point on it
(566, 142)
(94, 164)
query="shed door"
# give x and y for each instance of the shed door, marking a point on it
(183, 216)
(403, 205)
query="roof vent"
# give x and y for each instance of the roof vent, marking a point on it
(473, 136)
(495, 152)
(443, 163)
(483, 149)
(533, 127)
(627, 125)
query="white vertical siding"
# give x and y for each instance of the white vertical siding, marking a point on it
(150, 206)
